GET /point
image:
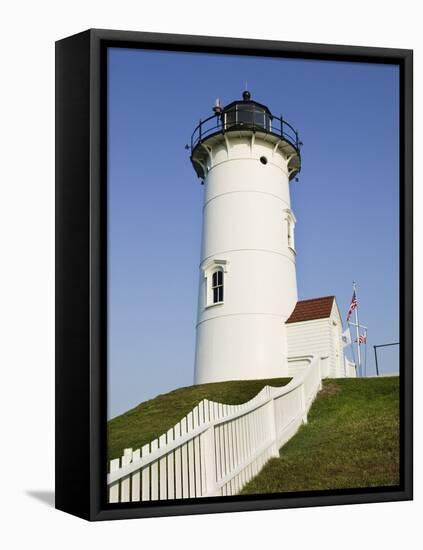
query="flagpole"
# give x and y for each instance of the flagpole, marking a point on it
(365, 353)
(357, 323)
(352, 350)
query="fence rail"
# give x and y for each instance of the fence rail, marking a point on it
(216, 449)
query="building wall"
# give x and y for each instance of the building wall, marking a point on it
(338, 362)
(320, 337)
(308, 337)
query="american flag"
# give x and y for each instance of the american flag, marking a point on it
(362, 339)
(353, 305)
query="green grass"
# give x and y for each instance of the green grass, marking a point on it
(351, 440)
(152, 418)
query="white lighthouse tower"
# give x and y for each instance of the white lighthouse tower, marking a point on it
(246, 158)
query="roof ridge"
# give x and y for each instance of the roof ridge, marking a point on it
(314, 299)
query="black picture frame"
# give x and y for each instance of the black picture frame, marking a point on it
(81, 279)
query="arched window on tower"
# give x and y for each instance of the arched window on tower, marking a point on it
(290, 225)
(214, 282)
(291, 243)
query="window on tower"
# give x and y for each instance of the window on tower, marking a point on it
(214, 282)
(290, 225)
(291, 235)
(217, 287)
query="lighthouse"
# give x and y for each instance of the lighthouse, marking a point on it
(246, 157)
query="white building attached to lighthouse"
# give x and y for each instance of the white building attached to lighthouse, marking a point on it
(315, 328)
(246, 158)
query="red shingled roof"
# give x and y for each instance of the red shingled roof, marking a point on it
(308, 310)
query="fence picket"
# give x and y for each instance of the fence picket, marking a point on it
(184, 452)
(170, 468)
(203, 418)
(135, 478)
(242, 438)
(197, 474)
(230, 446)
(226, 440)
(237, 439)
(114, 488)
(178, 463)
(145, 475)
(246, 439)
(219, 439)
(251, 434)
(125, 485)
(154, 473)
(163, 469)
(191, 465)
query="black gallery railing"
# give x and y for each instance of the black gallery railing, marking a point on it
(242, 118)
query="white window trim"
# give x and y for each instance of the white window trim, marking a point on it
(208, 270)
(291, 221)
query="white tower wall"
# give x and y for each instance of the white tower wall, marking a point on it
(245, 234)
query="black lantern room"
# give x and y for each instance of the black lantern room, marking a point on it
(246, 113)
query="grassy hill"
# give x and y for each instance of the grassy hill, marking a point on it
(152, 418)
(351, 440)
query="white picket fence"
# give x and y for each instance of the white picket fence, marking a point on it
(216, 449)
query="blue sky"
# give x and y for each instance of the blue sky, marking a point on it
(346, 202)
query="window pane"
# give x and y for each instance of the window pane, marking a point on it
(219, 277)
(215, 278)
(230, 117)
(246, 114)
(220, 294)
(215, 295)
(260, 118)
